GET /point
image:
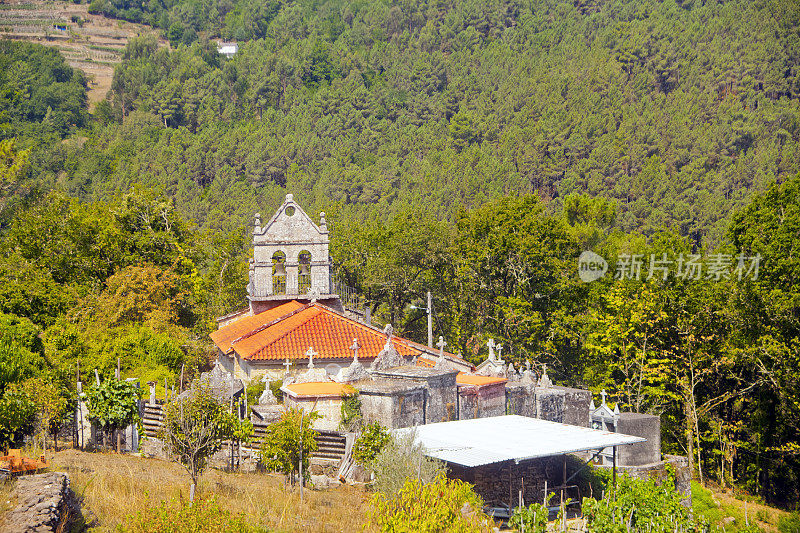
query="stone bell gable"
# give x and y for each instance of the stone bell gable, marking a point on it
(290, 260)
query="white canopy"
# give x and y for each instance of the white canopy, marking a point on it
(496, 439)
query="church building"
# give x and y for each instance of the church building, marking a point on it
(294, 315)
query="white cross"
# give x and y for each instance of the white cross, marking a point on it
(355, 348)
(603, 393)
(490, 344)
(499, 352)
(528, 365)
(310, 354)
(287, 364)
(441, 344)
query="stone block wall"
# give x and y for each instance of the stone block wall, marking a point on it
(45, 502)
(520, 400)
(394, 409)
(441, 398)
(576, 406)
(481, 402)
(659, 472)
(640, 425)
(500, 483)
(329, 408)
(550, 404)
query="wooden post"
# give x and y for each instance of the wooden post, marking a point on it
(117, 373)
(97, 377)
(614, 469)
(182, 366)
(166, 391)
(301, 455)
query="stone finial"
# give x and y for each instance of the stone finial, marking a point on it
(441, 344)
(592, 406)
(490, 345)
(388, 330)
(545, 382)
(310, 354)
(616, 410)
(603, 393)
(290, 197)
(355, 347)
(511, 373)
(528, 365)
(323, 224)
(499, 353)
(267, 397)
(313, 294)
(257, 223)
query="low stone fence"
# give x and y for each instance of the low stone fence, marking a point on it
(45, 502)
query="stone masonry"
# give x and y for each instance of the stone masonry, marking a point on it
(45, 503)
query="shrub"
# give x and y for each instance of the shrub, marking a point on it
(400, 460)
(531, 519)
(112, 404)
(204, 516)
(351, 412)
(640, 505)
(441, 505)
(371, 441)
(17, 415)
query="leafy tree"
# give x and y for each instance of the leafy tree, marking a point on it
(196, 425)
(113, 405)
(288, 441)
(49, 401)
(17, 415)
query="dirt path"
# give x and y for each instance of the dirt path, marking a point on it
(92, 43)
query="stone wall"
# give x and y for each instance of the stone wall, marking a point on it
(481, 402)
(639, 425)
(392, 403)
(500, 483)
(576, 406)
(550, 404)
(329, 408)
(45, 503)
(439, 403)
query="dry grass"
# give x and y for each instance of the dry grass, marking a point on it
(6, 500)
(114, 486)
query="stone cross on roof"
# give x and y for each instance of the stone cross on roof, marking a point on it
(388, 330)
(313, 294)
(528, 365)
(441, 344)
(355, 348)
(500, 353)
(287, 364)
(603, 393)
(310, 354)
(490, 344)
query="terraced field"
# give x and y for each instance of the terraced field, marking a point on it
(92, 43)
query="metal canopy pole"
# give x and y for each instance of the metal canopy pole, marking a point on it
(614, 468)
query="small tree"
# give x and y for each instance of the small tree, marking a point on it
(112, 405)
(370, 443)
(287, 441)
(195, 427)
(17, 414)
(49, 405)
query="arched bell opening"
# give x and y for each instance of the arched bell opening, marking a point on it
(304, 272)
(279, 273)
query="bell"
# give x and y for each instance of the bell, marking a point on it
(280, 269)
(304, 269)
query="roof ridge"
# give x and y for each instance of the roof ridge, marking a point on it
(262, 327)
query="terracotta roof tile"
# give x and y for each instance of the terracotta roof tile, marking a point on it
(287, 331)
(316, 389)
(479, 381)
(224, 337)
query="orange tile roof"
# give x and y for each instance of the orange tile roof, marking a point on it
(225, 336)
(316, 389)
(287, 331)
(479, 381)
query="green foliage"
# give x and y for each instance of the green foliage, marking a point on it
(202, 516)
(400, 460)
(374, 437)
(640, 505)
(254, 391)
(49, 401)
(351, 412)
(21, 350)
(113, 404)
(17, 415)
(196, 424)
(440, 505)
(789, 524)
(287, 441)
(532, 518)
